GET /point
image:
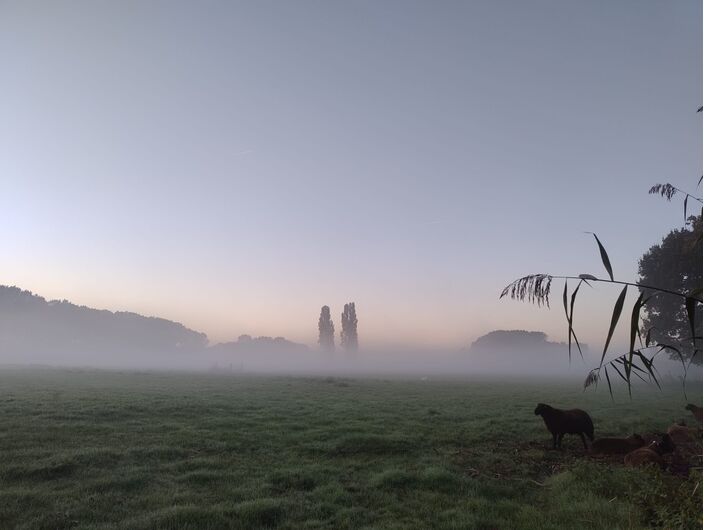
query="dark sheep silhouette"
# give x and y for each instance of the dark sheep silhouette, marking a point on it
(617, 446)
(696, 411)
(561, 422)
(651, 454)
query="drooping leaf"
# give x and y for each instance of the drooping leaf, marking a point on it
(618, 307)
(691, 305)
(648, 363)
(605, 258)
(576, 341)
(608, 380)
(665, 347)
(685, 207)
(569, 315)
(613, 365)
(639, 376)
(626, 368)
(692, 357)
(587, 277)
(647, 338)
(632, 368)
(635, 320)
(633, 365)
(569, 323)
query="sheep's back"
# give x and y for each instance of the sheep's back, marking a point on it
(614, 446)
(641, 457)
(577, 421)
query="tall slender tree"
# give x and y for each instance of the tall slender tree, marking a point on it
(326, 330)
(348, 335)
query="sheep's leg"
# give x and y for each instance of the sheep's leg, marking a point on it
(584, 441)
(559, 439)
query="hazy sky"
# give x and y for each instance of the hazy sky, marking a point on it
(236, 165)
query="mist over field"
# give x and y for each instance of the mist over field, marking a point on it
(34, 331)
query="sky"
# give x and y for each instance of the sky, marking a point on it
(236, 165)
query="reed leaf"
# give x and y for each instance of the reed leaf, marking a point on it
(626, 369)
(685, 207)
(691, 306)
(664, 347)
(635, 320)
(571, 320)
(648, 363)
(569, 323)
(604, 258)
(608, 380)
(618, 371)
(618, 307)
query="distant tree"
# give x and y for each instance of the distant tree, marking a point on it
(326, 330)
(674, 264)
(348, 335)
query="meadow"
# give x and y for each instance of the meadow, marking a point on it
(107, 450)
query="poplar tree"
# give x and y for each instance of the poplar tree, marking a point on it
(348, 335)
(326, 330)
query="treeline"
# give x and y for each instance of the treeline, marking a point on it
(31, 324)
(32, 328)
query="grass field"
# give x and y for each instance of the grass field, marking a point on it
(88, 449)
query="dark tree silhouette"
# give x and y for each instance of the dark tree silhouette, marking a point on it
(348, 335)
(326, 330)
(675, 264)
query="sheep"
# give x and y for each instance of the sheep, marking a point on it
(696, 411)
(651, 454)
(617, 446)
(682, 435)
(561, 422)
(643, 456)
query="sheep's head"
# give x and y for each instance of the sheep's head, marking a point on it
(541, 409)
(691, 407)
(666, 444)
(662, 445)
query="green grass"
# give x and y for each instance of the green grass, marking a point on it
(107, 450)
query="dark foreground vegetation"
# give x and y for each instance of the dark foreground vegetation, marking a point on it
(83, 449)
